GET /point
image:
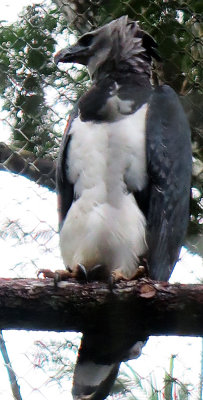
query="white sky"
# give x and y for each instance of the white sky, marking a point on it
(11, 8)
(40, 206)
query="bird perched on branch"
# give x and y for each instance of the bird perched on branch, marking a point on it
(123, 179)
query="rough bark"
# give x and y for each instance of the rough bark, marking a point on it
(39, 170)
(142, 307)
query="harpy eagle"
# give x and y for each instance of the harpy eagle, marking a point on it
(123, 177)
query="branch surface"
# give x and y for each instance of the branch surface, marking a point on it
(145, 307)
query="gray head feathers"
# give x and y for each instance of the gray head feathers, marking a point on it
(130, 45)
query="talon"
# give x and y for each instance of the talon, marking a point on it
(111, 283)
(57, 278)
(81, 273)
(98, 273)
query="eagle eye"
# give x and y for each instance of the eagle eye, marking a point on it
(86, 40)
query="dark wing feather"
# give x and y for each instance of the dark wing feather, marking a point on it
(65, 189)
(169, 169)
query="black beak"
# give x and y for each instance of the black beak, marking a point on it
(75, 53)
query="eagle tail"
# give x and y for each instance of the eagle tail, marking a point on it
(93, 378)
(97, 366)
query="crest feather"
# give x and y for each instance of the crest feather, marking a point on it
(131, 44)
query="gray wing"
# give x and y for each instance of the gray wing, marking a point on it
(65, 189)
(169, 168)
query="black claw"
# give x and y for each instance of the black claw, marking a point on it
(111, 283)
(57, 279)
(82, 273)
(99, 273)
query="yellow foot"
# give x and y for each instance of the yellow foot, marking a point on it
(140, 273)
(118, 276)
(97, 273)
(58, 275)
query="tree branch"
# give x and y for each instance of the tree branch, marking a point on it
(15, 388)
(39, 170)
(145, 307)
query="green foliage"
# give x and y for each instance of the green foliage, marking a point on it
(131, 386)
(174, 389)
(55, 358)
(177, 28)
(58, 358)
(27, 71)
(22, 69)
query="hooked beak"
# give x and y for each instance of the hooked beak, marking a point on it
(75, 53)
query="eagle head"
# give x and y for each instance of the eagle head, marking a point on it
(119, 45)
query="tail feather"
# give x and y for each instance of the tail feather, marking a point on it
(93, 381)
(97, 367)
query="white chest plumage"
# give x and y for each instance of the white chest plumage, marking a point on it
(106, 161)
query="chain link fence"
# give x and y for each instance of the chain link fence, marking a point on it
(36, 98)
